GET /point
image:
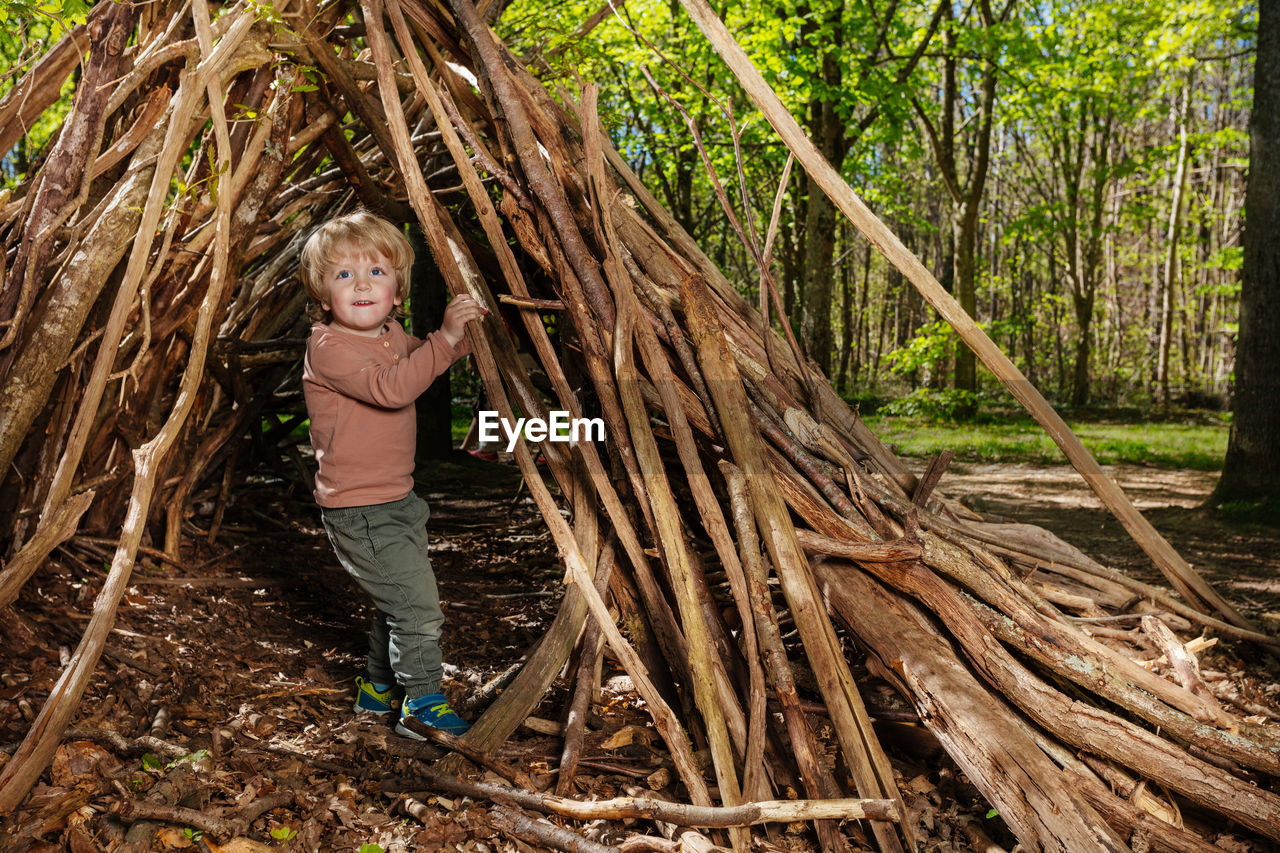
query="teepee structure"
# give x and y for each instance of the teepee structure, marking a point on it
(151, 315)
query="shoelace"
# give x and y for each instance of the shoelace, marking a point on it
(439, 709)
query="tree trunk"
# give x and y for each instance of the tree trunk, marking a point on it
(826, 127)
(846, 327)
(1168, 281)
(1084, 328)
(966, 233)
(1252, 467)
(967, 192)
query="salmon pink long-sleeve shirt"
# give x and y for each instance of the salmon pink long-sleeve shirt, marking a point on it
(360, 393)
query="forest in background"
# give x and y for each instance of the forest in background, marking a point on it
(1073, 172)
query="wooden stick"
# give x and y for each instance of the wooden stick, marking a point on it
(505, 715)
(590, 649)
(181, 111)
(544, 833)
(862, 750)
(530, 304)
(1256, 750)
(426, 207)
(681, 814)
(64, 186)
(672, 537)
(656, 607)
(465, 747)
(932, 474)
(874, 552)
(41, 86)
(1093, 663)
(813, 775)
(220, 825)
(1185, 665)
(975, 538)
(1083, 726)
(1010, 770)
(549, 191)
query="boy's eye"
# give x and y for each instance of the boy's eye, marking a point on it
(377, 271)
(343, 274)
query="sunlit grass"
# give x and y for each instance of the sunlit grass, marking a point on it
(1020, 439)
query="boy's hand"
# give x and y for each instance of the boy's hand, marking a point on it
(462, 310)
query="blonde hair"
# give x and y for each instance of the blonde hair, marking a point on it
(361, 231)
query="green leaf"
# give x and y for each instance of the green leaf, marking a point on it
(191, 757)
(992, 813)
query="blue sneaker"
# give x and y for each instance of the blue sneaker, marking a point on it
(369, 698)
(433, 710)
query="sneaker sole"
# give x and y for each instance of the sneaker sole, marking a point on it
(405, 732)
(358, 707)
(402, 729)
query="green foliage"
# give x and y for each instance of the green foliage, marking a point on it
(1087, 98)
(460, 421)
(661, 82)
(1085, 123)
(926, 350)
(284, 835)
(370, 847)
(933, 404)
(62, 14)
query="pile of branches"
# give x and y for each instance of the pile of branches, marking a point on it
(151, 316)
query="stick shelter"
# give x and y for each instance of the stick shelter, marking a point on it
(737, 523)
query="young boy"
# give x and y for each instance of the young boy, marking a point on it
(361, 375)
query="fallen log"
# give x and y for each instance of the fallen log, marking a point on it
(1037, 802)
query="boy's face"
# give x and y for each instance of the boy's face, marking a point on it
(360, 290)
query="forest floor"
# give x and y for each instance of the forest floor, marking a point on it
(226, 685)
(1240, 559)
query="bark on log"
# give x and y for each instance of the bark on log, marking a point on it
(1040, 806)
(65, 177)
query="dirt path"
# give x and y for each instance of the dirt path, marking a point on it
(1241, 560)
